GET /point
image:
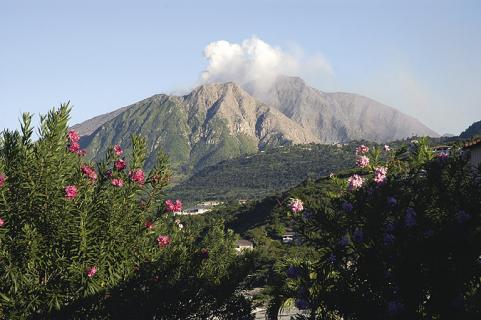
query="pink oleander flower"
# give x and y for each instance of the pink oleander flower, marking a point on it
(120, 164)
(362, 161)
(355, 182)
(2, 180)
(149, 224)
(74, 147)
(362, 149)
(173, 206)
(138, 176)
(89, 172)
(118, 150)
(2, 222)
(386, 148)
(91, 271)
(81, 152)
(73, 136)
(163, 241)
(70, 192)
(296, 205)
(117, 182)
(380, 175)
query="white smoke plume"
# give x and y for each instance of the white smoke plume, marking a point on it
(258, 61)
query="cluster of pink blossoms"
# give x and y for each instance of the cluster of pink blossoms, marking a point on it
(362, 149)
(137, 176)
(89, 172)
(120, 165)
(70, 192)
(355, 182)
(2, 180)
(74, 145)
(163, 241)
(173, 206)
(362, 161)
(296, 205)
(380, 175)
(118, 150)
(117, 182)
(91, 271)
(2, 222)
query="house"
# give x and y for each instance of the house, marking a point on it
(192, 211)
(474, 150)
(243, 244)
(440, 151)
(210, 204)
(288, 237)
(200, 208)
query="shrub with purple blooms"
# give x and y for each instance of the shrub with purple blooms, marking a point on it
(403, 244)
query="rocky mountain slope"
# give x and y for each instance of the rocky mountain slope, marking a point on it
(212, 123)
(338, 116)
(223, 121)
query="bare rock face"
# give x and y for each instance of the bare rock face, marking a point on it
(244, 115)
(335, 117)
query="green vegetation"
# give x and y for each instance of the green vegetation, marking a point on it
(93, 240)
(259, 175)
(474, 130)
(167, 125)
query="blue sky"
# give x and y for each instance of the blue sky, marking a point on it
(421, 57)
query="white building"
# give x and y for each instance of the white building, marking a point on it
(243, 244)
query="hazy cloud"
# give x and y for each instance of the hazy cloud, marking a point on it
(256, 60)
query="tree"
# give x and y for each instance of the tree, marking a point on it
(84, 239)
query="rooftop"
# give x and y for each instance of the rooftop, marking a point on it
(472, 143)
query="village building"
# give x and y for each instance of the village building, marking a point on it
(243, 245)
(474, 152)
(200, 208)
(288, 237)
(441, 150)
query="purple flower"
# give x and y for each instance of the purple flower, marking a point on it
(428, 233)
(410, 217)
(344, 241)
(394, 307)
(332, 258)
(293, 272)
(391, 201)
(306, 215)
(388, 239)
(347, 206)
(358, 236)
(462, 216)
(302, 304)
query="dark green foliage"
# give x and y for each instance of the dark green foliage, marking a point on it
(471, 132)
(87, 252)
(167, 125)
(262, 174)
(414, 258)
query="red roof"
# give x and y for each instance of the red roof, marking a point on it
(472, 143)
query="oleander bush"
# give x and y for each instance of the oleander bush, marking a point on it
(96, 240)
(399, 239)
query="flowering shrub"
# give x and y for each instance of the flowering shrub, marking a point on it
(405, 244)
(81, 239)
